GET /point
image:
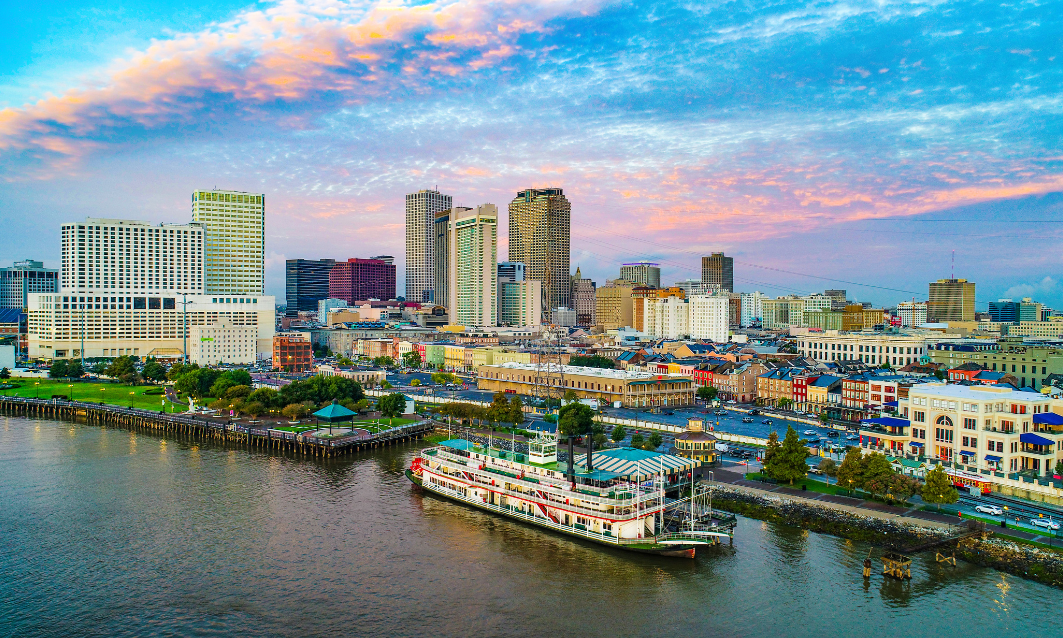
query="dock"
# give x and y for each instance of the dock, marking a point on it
(197, 427)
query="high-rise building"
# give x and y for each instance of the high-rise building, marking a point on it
(613, 307)
(441, 253)
(837, 298)
(642, 273)
(1008, 311)
(564, 317)
(752, 309)
(539, 233)
(234, 251)
(508, 272)
(718, 270)
(583, 299)
(693, 287)
(23, 278)
(119, 256)
(421, 209)
(710, 317)
(361, 279)
(306, 282)
(951, 300)
(640, 302)
(472, 262)
(520, 303)
(912, 313)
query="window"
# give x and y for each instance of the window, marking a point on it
(140, 303)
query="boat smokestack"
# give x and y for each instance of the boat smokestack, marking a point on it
(590, 452)
(571, 461)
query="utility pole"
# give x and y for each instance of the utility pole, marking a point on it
(184, 313)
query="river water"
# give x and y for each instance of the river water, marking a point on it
(104, 532)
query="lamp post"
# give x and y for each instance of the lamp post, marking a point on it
(36, 389)
(103, 395)
(70, 396)
(130, 400)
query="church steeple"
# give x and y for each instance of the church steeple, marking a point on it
(577, 273)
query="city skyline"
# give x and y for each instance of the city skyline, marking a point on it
(951, 133)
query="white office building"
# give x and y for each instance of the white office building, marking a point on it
(421, 208)
(912, 313)
(234, 253)
(752, 310)
(709, 318)
(873, 348)
(472, 265)
(222, 343)
(520, 303)
(120, 256)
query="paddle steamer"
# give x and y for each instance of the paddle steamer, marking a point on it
(628, 510)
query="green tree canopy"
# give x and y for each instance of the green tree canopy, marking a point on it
(516, 411)
(319, 388)
(58, 369)
(637, 440)
(383, 362)
(412, 359)
(876, 473)
(903, 487)
(789, 463)
(937, 488)
(575, 419)
(121, 367)
(654, 441)
(828, 467)
(707, 393)
(153, 370)
(74, 370)
(265, 396)
(771, 454)
(571, 396)
(595, 361)
(238, 392)
(5, 373)
(619, 433)
(850, 472)
(391, 405)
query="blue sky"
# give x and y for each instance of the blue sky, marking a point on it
(817, 142)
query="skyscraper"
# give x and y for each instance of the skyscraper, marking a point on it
(642, 273)
(306, 282)
(421, 208)
(472, 262)
(234, 254)
(361, 279)
(509, 272)
(718, 270)
(951, 300)
(441, 254)
(583, 299)
(539, 235)
(23, 278)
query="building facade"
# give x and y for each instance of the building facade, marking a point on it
(292, 352)
(112, 256)
(710, 317)
(222, 343)
(642, 273)
(234, 243)
(520, 303)
(472, 262)
(540, 222)
(613, 307)
(752, 308)
(583, 299)
(912, 313)
(421, 208)
(717, 270)
(632, 388)
(873, 348)
(951, 300)
(361, 279)
(306, 282)
(23, 278)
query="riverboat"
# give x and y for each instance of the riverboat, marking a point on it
(627, 510)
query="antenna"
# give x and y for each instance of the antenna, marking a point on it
(953, 273)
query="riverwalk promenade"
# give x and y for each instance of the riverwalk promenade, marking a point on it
(200, 427)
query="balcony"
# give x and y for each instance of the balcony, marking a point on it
(994, 428)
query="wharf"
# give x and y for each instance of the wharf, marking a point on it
(197, 427)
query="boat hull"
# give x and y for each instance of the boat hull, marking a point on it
(678, 550)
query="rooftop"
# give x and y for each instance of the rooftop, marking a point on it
(976, 392)
(623, 375)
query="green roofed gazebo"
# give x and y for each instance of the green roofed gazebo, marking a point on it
(334, 413)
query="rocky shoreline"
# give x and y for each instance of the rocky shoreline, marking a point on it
(1041, 565)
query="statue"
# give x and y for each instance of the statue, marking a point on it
(191, 405)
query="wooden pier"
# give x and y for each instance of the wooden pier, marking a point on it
(197, 427)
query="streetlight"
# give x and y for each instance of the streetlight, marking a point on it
(36, 390)
(130, 400)
(70, 391)
(102, 396)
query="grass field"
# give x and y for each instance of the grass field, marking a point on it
(113, 393)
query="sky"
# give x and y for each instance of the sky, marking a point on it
(871, 146)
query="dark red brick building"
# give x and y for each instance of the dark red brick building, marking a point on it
(359, 279)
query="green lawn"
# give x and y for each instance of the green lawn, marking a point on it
(813, 486)
(113, 393)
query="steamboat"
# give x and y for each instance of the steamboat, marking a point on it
(627, 506)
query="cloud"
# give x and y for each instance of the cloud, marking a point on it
(1047, 287)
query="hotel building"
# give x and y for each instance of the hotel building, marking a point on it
(421, 208)
(472, 264)
(633, 388)
(234, 252)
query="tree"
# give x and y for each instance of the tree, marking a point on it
(851, 469)
(100, 367)
(415, 382)
(177, 369)
(74, 370)
(596, 361)
(637, 440)
(121, 367)
(254, 409)
(876, 473)
(499, 409)
(220, 387)
(5, 373)
(344, 361)
(903, 487)
(265, 396)
(938, 489)
(619, 433)
(295, 411)
(771, 454)
(655, 441)
(789, 463)
(391, 405)
(238, 392)
(784, 403)
(824, 418)
(153, 370)
(707, 393)
(571, 396)
(828, 467)
(58, 369)
(516, 411)
(599, 441)
(239, 377)
(575, 419)
(383, 362)
(1058, 469)
(411, 359)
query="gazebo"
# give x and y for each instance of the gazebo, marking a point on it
(333, 413)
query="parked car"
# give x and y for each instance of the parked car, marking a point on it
(833, 434)
(747, 419)
(992, 510)
(754, 412)
(814, 470)
(767, 421)
(1045, 523)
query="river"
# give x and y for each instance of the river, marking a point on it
(106, 532)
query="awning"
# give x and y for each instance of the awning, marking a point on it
(966, 453)
(915, 444)
(1035, 439)
(1049, 418)
(994, 459)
